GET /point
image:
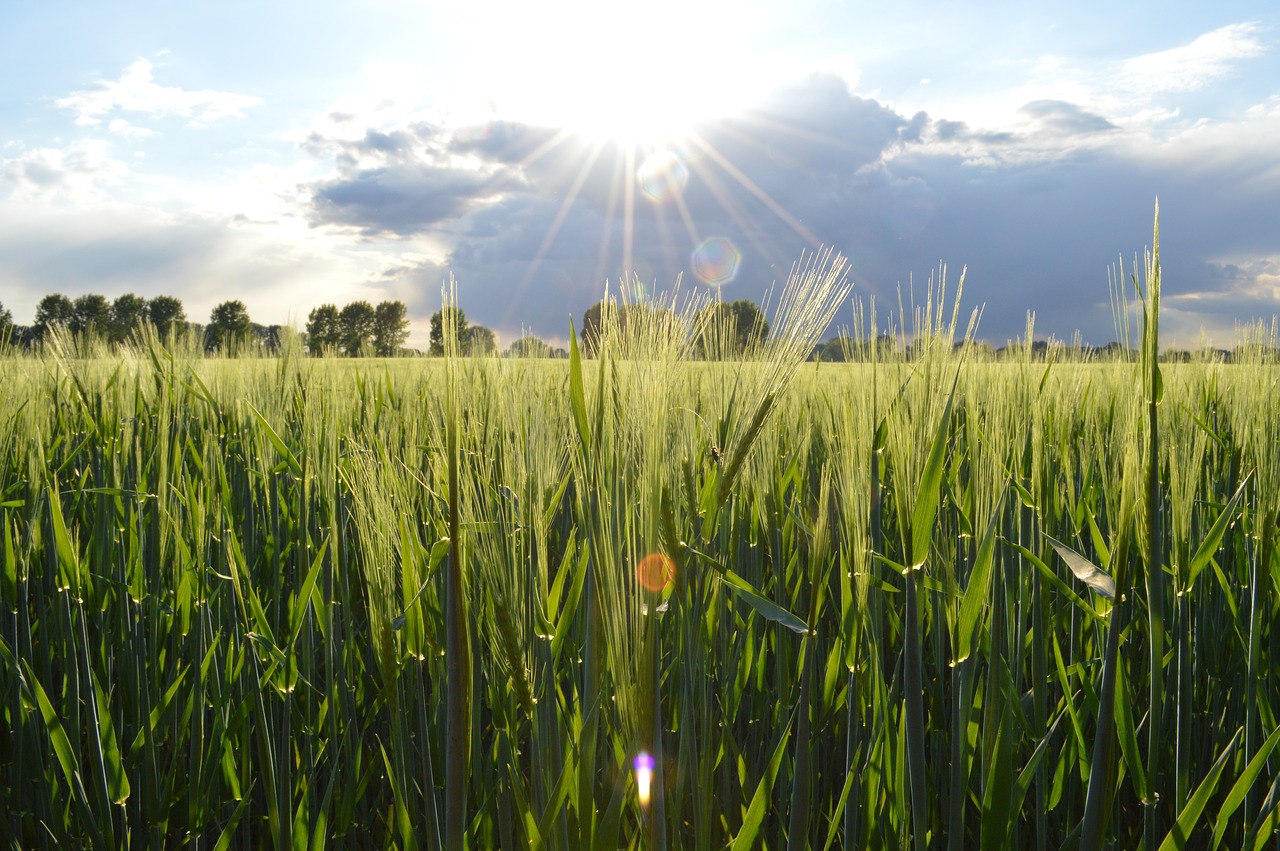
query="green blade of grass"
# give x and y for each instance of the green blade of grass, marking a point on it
(577, 394)
(1180, 833)
(753, 823)
(295, 466)
(1243, 784)
(1213, 538)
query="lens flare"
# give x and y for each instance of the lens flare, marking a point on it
(644, 777)
(716, 261)
(662, 177)
(654, 571)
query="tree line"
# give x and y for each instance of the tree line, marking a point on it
(356, 329)
(359, 328)
(94, 314)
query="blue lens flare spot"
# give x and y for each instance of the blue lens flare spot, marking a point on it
(716, 261)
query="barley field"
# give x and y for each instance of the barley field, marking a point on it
(925, 602)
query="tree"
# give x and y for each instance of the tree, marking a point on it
(323, 329)
(167, 314)
(355, 327)
(228, 329)
(91, 314)
(270, 337)
(600, 321)
(479, 340)
(9, 333)
(528, 346)
(390, 328)
(834, 350)
(730, 329)
(126, 312)
(53, 310)
(457, 320)
(589, 334)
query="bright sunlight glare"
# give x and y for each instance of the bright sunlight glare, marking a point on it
(640, 74)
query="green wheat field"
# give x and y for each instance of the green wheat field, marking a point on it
(936, 601)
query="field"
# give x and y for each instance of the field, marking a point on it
(927, 602)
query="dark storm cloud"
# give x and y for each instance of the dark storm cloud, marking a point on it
(543, 222)
(402, 201)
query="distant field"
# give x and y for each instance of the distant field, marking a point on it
(295, 602)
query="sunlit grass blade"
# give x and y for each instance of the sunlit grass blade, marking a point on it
(1086, 571)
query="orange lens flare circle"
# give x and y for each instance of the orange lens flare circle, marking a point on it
(654, 571)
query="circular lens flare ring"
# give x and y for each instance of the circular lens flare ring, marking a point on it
(655, 571)
(662, 177)
(716, 261)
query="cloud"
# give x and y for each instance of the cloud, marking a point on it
(113, 248)
(1066, 119)
(402, 201)
(120, 127)
(137, 91)
(81, 171)
(533, 224)
(387, 203)
(1193, 66)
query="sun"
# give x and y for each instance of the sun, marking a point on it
(636, 74)
(631, 94)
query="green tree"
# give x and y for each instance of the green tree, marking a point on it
(355, 328)
(167, 314)
(91, 314)
(8, 332)
(589, 333)
(730, 329)
(598, 322)
(228, 329)
(53, 310)
(457, 320)
(270, 337)
(323, 329)
(126, 312)
(835, 350)
(528, 346)
(390, 328)
(479, 340)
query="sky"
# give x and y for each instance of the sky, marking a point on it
(291, 154)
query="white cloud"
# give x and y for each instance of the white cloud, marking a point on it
(82, 171)
(113, 248)
(1147, 95)
(136, 91)
(1193, 66)
(120, 127)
